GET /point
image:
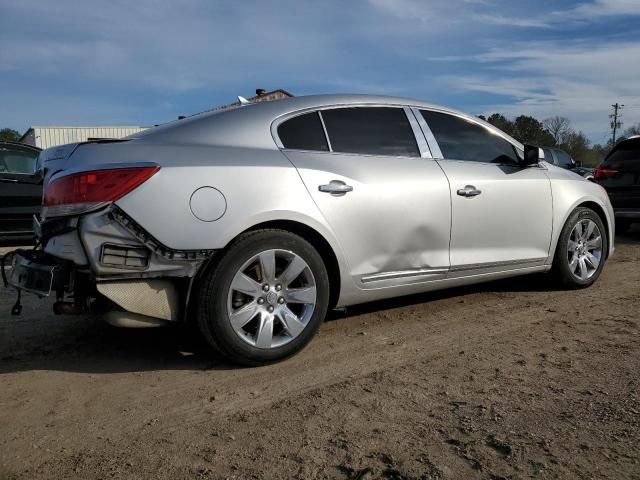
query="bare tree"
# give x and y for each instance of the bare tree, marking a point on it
(632, 131)
(558, 127)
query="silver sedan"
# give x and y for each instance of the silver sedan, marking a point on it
(252, 222)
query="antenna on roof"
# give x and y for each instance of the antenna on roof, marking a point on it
(243, 101)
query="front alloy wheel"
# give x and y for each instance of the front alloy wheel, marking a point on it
(581, 250)
(584, 251)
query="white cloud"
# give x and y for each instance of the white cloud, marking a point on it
(579, 80)
(601, 8)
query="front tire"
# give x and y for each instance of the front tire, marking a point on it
(265, 299)
(581, 250)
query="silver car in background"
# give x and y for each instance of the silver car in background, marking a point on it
(254, 221)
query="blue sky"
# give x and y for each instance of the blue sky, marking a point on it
(143, 62)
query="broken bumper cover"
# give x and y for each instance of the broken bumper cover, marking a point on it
(36, 272)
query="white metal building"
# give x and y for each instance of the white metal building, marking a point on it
(45, 137)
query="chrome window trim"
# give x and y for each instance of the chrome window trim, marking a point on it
(283, 118)
(423, 146)
(324, 129)
(428, 134)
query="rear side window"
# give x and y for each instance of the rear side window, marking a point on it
(460, 139)
(371, 131)
(303, 132)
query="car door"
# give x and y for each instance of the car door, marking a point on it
(386, 201)
(20, 192)
(501, 211)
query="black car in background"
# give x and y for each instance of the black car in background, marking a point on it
(20, 193)
(557, 156)
(619, 174)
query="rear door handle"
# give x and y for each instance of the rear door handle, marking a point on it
(469, 191)
(336, 188)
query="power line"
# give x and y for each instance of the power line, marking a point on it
(615, 119)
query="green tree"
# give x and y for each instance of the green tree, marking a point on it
(9, 134)
(529, 130)
(577, 145)
(500, 121)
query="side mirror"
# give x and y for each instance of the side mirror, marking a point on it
(532, 155)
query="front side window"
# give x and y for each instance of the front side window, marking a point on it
(371, 131)
(460, 139)
(303, 132)
(17, 161)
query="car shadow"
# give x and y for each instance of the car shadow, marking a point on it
(42, 341)
(89, 345)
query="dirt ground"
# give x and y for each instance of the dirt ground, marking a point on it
(512, 379)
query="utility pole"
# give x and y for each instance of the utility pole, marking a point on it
(615, 116)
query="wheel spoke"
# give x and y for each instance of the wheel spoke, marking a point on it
(571, 245)
(268, 266)
(247, 285)
(301, 295)
(592, 260)
(573, 263)
(590, 226)
(594, 243)
(583, 269)
(291, 321)
(240, 317)
(293, 271)
(264, 335)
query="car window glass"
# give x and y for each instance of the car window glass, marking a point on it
(460, 139)
(16, 161)
(564, 160)
(548, 156)
(628, 151)
(370, 130)
(303, 132)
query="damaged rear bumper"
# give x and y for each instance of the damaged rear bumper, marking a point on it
(37, 272)
(107, 264)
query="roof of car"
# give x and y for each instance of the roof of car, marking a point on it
(245, 125)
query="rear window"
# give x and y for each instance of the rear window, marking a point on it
(626, 151)
(17, 161)
(303, 132)
(370, 131)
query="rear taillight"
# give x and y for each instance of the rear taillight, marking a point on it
(85, 191)
(601, 173)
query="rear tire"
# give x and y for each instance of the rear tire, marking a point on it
(265, 298)
(581, 250)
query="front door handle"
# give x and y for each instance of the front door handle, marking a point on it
(469, 191)
(336, 188)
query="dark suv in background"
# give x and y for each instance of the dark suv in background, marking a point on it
(557, 156)
(20, 193)
(619, 174)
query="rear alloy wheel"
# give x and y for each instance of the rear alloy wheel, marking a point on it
(581, 250)
(265, 299)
